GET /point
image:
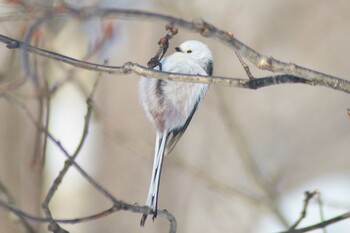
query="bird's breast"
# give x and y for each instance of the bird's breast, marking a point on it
(170, 103)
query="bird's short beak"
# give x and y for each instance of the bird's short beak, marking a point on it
(177, 49)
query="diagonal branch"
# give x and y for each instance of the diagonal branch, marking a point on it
(19, 220)
(130, 67)
(69, 161)
(320, 225)
(119, 205)
(208, 30)
(308, 197)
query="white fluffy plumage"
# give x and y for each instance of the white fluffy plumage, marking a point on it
(170, 105)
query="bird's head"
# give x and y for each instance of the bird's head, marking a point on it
(196, 50)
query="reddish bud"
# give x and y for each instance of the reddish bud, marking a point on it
(108, 28)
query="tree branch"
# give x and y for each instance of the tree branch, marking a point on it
(19, 220)
(292, 72)
(68, 162)
(120, 205)
(130, 67)
(308, 197)
(117, 204)
(319, 225)
(207, 30)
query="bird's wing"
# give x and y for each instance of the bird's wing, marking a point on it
(209, 68)
(175, 135)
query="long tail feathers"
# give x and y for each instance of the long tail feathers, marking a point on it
(152, 197)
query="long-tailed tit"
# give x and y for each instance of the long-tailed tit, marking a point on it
(170, 105)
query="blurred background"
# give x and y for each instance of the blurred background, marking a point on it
(247, 157)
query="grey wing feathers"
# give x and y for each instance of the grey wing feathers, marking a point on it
(175, 135)
(209, 68)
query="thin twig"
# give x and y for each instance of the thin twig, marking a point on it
(202, 175)
(320, 207)
(70, 73)
(163, 47)
(36, 160)
(245, 66)
(308, 197)
(42, 128)
(117, 203)
(120, 205)
(254, 173)
(47, 122)
(24, 53)
(19, 219)
(68, 163)
(320, 225)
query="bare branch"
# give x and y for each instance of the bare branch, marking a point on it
(130, 67)
(163, 47)
(308, 197)
(19, 220)
(208, 30)
(68, 163)
(320, 207)
(119, 205)
(245, 66)
(320, 225)
(253, 170)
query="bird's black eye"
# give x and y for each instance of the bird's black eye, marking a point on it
(177, 49)
(189, 51)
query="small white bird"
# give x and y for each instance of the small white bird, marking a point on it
(170, 105)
